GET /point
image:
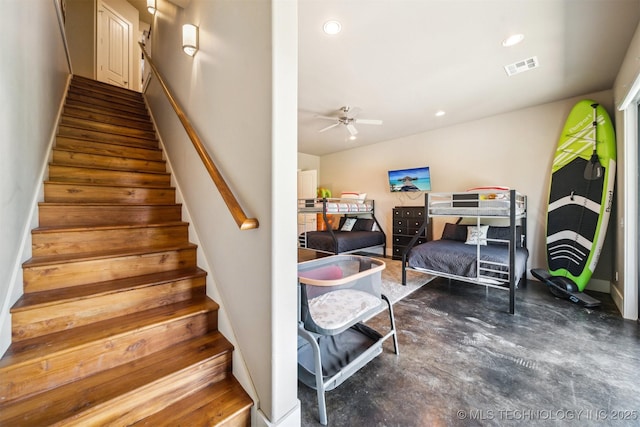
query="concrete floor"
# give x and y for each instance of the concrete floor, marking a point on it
(464, 361)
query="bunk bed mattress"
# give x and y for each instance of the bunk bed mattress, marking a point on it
(482, 208)
(460, 259)
(347, 241)
(337, 208)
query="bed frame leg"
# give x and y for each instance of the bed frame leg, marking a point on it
(392, 321)
(512, 297)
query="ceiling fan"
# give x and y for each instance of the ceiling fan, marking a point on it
(348, 118)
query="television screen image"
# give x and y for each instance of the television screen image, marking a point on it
(416, 179)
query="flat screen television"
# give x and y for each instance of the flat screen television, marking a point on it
(415, 179)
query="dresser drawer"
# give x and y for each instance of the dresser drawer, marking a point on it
(404, 240)
(409, 212)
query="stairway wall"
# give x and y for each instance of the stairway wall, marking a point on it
(34, 77)
(228, 93)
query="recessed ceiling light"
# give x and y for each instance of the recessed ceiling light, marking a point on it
(353, 138)
(512, 40)
(332, 27)
(440, 113)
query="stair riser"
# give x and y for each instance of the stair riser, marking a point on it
(63, 367)
(106, 137)
(70, 158)
(102, 114)
(78, 193)
(114, 99)
(42, 320)
(89, 240)
(61, 173)
(96, 215)
(86, 113)
(224, 403)
(74, 99)
(77, 273)
(80, 80)
(107, 149)
(125, 95)
(106, 127)
(127, 409)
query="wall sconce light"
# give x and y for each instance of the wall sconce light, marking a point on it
(190, 39)
(151, 6)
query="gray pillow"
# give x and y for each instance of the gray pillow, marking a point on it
(454, 232)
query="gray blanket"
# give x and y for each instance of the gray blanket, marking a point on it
(458, 258)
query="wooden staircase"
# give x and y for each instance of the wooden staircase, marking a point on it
(114, 327)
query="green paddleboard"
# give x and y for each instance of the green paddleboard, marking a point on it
(581, 193)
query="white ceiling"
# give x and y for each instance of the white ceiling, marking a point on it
(400, 61)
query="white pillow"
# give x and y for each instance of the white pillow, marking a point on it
(360, 197)
(348, 224)
(477, 235)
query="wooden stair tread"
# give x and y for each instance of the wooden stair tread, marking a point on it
(96, 135)
(79, 98)
(86, 110)
(104, 205)
(113, 144)
(210, 406)
(91, 184)
(114, 161)
(102, 107)
(102, 168)
(143, 155)
(107, 128)
(59, 229)
(110, 131)
(96, 83)
(119, 383)
(39, 348)
(77, 112)
(135, 99)
(39, 261)
(108, 116)
(56, 296)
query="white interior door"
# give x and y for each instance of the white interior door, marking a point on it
(307, 189)
(114, 34)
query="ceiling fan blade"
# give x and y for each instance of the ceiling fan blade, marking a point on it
(368, 121)
(352, 129)
(329, 127)
(325, 117)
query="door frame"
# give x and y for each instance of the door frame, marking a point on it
(629, 107)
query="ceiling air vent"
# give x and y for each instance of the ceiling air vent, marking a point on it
(521, 66)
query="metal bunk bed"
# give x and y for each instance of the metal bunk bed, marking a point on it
(496, 256)
(365, 234)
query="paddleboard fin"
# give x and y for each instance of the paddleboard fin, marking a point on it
(562, 287)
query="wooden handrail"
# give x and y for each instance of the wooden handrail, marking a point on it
(63, 33)
(232, 204)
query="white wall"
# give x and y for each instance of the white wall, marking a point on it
(308, 162)
(513, 149)
(236, 91)
(33, 79)
(80, 27)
